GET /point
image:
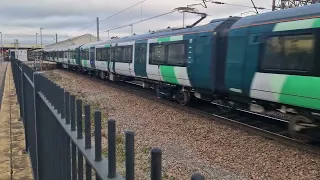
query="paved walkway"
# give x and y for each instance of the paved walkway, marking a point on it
(20, 166)
(3, 66)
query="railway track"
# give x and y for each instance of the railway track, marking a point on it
(259, 124)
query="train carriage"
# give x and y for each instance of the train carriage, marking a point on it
(183, 58)
(74, 54)
(267, 61)
(273, 59)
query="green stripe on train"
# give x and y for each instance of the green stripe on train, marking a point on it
(85, 63)
(299, 24)
(171, 38)
(168, 75)
(301, 91)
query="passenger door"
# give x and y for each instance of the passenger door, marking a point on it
(92, 57)
(108, 54)
(251, 61)
(111, 59)
(78, 57)
(155, 51)
(131, 63)
(235, 62)
(68, 56)
(140, 59)
(200, 70)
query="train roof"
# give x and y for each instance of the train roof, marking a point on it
(73, 47)
(291, 13)
(63, 48)
(162, 33)
(165, 33)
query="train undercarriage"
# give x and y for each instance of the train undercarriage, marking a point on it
(303, 124)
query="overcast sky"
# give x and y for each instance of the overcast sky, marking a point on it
(21, 19)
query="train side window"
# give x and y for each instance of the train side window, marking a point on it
(112, 54)
(157, 54)
(87, 54)
(60, 54)
(99, 54)
(127, 54)
(107, 54)
(92, 55)
(72, 54)
(289, 53)
(177, 54)
(118, 54)
(103, 54)
(83, 54)
(142, 53)
(66, 54)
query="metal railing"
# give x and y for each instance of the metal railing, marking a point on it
(53, 125)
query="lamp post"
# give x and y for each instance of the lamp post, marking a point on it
(41, 36)
(36, 40)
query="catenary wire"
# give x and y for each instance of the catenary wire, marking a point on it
(112, 15)
(138, 21)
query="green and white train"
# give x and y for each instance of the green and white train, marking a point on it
(270, 61)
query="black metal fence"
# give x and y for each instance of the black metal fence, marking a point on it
(53, 124)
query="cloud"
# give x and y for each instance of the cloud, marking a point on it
(22, 19)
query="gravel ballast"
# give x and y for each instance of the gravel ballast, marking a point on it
(190, 143)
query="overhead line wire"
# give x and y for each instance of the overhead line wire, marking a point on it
(122, 11)
(112, 15)
(139, 21)
(215, 2)
(239, 5)
(87, 26)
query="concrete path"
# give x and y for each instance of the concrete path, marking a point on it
(13, 162)
(3, 66)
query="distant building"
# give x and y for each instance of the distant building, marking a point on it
(83, 39)
(17, 45)
(19, 54)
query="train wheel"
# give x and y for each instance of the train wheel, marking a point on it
(300, 128)
(183, 97)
